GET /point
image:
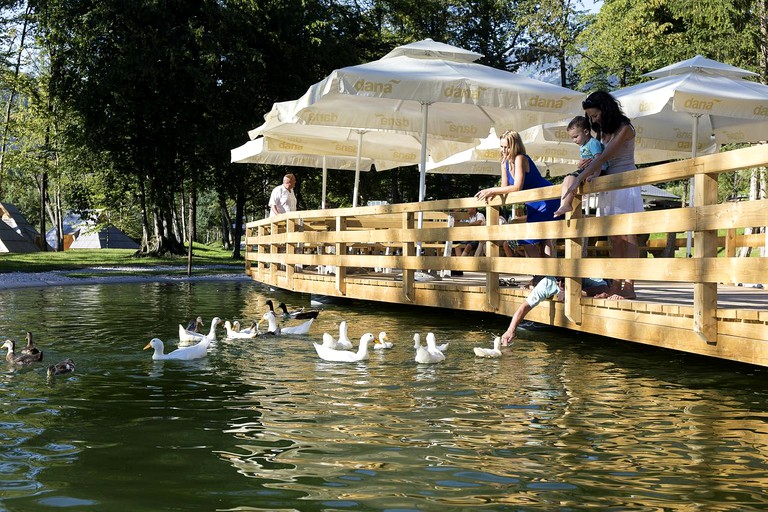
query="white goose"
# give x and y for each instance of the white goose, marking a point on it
(441, 348)
(381, 342)
(423, 354)
(183, 354)
(188, 338)
(343, 343)
(244, 334)
(490, 352)
(274, 328)
(345, 356)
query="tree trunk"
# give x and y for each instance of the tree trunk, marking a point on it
(11, 97)
(226, 223)
(43, 193)
(238, 229)
(144, 219)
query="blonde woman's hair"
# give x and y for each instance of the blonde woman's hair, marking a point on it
(515, 143)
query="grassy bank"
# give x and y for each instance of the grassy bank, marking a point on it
(202, 256)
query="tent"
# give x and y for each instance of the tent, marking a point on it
(105, 238)
(16, 220)
(72, 223)
(11, 241)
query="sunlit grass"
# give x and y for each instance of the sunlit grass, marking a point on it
(84, 258)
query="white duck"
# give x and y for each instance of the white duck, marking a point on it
(188, 338)
(329, 341)
(441, 348)
(490, 352)
(183, 354)
(381, 342)
(423, 354)
(345, 356)
(274, 328)
(343, 343)
(244, 334)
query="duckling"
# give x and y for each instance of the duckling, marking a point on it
(66, 366)
(12, 358)
(30, 349)
(381, 342)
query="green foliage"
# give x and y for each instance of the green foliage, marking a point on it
(629, 38)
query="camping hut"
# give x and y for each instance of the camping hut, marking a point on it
(16, 234)
(108, 237)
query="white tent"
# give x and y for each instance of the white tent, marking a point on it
(105, 238)
(13, 217)
(433, 89)
(11, 241)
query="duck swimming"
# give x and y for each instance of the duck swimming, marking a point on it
(423, 354)
(184, 353)
(22, 359)
(490, 352)
(66, 366)
(187, 337)
(441, 348)
(234, 332)
(300, 314)
(329, 341)
(345, 356)
(275, 329)
(30, 349)
(381, 342)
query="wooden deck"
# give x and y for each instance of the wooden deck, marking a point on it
(687, 304)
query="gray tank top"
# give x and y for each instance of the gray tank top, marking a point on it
(624, 159)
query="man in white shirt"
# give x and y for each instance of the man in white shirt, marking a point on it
(283, 199)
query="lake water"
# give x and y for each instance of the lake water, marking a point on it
(561, 422)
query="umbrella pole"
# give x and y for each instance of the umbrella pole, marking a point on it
(694, 152)
(357, 166)
(423, 167)
(325, 181)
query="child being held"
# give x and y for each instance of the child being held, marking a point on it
(580, 132)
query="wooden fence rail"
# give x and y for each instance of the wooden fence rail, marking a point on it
(387, 236)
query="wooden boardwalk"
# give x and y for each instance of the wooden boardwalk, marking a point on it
(683, 303)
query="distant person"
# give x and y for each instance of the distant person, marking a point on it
(283, 200)
(580, 132)
(518, 172)
(475, 218)
(545, 288)
(617, 134)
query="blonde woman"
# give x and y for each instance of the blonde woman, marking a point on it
(518, 172)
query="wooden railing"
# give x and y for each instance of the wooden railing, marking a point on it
(358, 238)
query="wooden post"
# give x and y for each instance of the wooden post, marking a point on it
(290, 249)
(409, 249)
(341, 250)
(574, 249)
(705, 243)
(491, 251)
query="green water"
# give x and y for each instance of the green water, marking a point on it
(559, 423)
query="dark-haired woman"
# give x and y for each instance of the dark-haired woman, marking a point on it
(617, 134)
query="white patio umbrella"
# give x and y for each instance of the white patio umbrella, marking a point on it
(258, 151)
(387, 148)
(554, 157)
(434, 90)
(690, 102)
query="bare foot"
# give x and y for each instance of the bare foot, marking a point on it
(603, 295)
(616, 296)
(562, 210)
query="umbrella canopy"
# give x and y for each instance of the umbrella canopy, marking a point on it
(256, 152)
(436, 90)
(283, 132)
(555, 157)
(699, 98)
